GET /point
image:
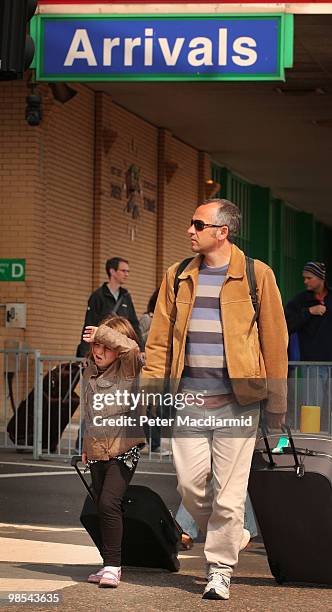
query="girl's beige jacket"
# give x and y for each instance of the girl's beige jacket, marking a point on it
(102, 442)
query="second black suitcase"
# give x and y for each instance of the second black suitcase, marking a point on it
(150, 534)
(291, 493)
(59, 404)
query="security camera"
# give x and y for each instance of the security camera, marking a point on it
(33, 109)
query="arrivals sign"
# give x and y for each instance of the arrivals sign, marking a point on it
(162, 48)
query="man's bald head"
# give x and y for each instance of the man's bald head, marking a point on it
(224, 212)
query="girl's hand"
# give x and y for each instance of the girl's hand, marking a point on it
(84, 458)
(89, 333)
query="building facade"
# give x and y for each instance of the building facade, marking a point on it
(95, 180)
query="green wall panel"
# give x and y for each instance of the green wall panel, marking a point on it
(219, 174)
(276, 245)
(276, 233)
(260, 224)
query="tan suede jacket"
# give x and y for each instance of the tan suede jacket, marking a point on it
(105, 442)
(256, 354)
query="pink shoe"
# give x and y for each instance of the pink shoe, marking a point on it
(110, 578)
(95, 578)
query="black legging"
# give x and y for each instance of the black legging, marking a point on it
(110, 480)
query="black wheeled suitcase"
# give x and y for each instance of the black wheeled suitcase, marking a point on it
(59, 403)
(150, 534)
(290, 487)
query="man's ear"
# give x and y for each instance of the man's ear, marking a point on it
(222, 232)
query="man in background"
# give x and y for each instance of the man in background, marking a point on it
(110, 298)
(309, 316)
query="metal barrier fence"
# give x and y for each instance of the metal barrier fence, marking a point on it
(310, 385)
(59, 419)
(40, 405)
(20, 370)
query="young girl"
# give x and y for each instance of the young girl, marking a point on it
(111, 451)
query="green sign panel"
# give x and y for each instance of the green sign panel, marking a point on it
(163, 47)
(12, 270)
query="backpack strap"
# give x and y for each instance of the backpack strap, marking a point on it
(118, 303)
(182, 265)
(251, 276)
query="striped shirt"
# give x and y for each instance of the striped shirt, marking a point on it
(205, 367)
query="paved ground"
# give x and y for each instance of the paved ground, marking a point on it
(44, 549)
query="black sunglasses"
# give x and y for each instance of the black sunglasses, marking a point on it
(200, 225)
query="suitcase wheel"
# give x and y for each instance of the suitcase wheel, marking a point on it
(276, 572)
(176, 563)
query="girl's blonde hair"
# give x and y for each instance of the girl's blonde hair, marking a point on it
(119, 324)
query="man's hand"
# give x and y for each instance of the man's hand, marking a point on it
(274, 420)
(89, 333)
(84, 458)
(319, 310)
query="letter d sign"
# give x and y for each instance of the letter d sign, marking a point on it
(17, 271)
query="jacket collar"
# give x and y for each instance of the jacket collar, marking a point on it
(237, 264)
(108, 294)
(311, 296)
(236, 268)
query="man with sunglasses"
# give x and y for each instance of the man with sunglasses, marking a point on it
(206, 339)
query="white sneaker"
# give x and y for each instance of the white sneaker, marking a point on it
(217, 586)
(245, 539)
(163, 452)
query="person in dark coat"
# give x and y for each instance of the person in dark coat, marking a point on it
(309, 315)
(111, 298)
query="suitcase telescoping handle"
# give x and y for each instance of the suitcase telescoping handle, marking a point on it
(74, 461)
(285, 429)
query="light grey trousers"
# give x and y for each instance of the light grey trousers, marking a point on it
(217, 503)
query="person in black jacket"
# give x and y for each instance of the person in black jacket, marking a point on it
(309, 314)
(110, 298)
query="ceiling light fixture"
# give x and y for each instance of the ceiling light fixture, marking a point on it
(62, 92)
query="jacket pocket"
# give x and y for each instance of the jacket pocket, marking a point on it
(245, 358)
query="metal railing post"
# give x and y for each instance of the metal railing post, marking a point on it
(329, 406)
(38, 408)
(296, 406)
